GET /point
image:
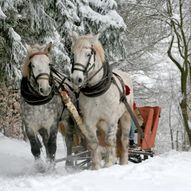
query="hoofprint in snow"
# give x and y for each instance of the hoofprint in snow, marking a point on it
(169, 171)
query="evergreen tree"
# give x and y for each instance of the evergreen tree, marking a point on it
(35, 21)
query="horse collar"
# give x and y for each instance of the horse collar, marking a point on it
(31, 96)
(102, 86)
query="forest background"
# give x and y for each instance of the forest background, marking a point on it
(150, 39)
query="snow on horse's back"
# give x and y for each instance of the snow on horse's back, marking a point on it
(99, 100)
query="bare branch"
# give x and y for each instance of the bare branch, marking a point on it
(171, 57)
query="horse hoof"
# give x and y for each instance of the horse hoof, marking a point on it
(123, 162)
(96, 167)
(108, 164)
(39, 166)
(50, 166)
(69, 166)
(69, 163)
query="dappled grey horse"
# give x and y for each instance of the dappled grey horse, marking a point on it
(42, 106)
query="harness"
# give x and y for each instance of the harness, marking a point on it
(31, 96)
(104, 84)
(124, 100)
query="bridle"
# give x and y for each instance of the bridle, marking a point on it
(29, 93)
(86, 68)
(44, 76)
(100, 87)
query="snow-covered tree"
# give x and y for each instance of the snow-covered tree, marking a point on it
(156, 80)
(36, 21)
(33, 21)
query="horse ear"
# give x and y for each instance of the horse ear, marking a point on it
(97, 36)
(74, 36)
(48, 47)
(27, 47)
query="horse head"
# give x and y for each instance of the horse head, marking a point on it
(37, 66)
(88, 59)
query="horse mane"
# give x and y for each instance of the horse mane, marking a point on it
(31, 50)
(97, 46)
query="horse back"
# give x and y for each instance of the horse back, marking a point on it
(127, 82)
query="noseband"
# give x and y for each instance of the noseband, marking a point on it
(85, 69)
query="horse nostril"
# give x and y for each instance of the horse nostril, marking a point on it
(79, 80)
(41, 90)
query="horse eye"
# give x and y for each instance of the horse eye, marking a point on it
(32, 65)
(88, 54)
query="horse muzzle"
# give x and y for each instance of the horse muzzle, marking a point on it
(78, 81)
(45, 91)
(43, 83)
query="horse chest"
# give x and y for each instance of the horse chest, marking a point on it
(104, 106)
(42, 116)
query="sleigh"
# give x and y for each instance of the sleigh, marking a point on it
(145, 144)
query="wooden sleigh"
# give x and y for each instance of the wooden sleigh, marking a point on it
(151, 120)
(146, 144)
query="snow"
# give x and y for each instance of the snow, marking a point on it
(104, 4)
(15, 36)
(168, 171)
(112, 18)
(2, 15)
(175, 17)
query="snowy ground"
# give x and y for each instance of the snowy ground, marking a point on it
(169, 171)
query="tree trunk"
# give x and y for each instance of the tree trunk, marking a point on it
(183, 106)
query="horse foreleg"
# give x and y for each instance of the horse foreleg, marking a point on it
(124, 123)
(51, 144)
(110, 140)
(94, 147)
(69, 132)
(44, 134)
(34, 142)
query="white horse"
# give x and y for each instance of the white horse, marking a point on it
(100, 99)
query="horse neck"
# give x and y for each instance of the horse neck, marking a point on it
(98, 77)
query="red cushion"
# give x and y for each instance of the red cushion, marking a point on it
(127, 90)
